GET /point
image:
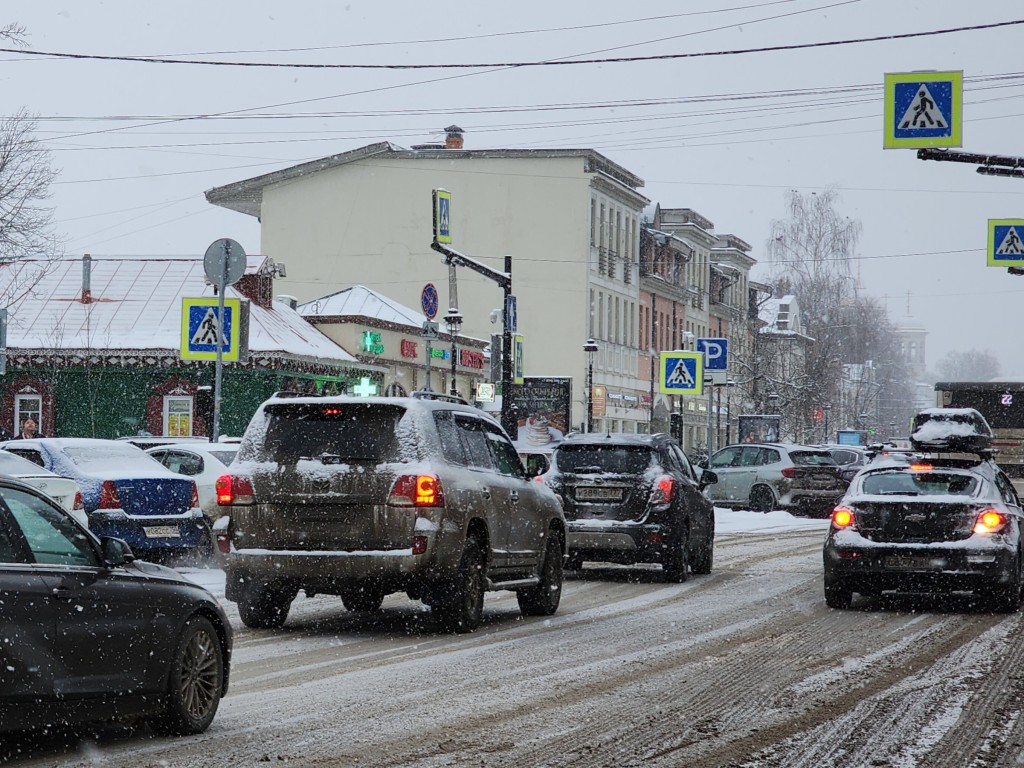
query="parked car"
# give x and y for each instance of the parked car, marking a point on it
(89, 634)
(632, 498)
(204, 462)
(362, 497)
(767, 476)
(61, 489)
(126, 493)
(933, 524)
(849, 458)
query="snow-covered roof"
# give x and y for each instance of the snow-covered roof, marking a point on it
(360, 301)
(135, 304)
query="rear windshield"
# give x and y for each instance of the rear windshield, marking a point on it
(339, 432)
(906, 483)
(812, 458)
(112, 455)
(617, 459)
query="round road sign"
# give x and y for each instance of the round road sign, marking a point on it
(428, 301)
(224, 261)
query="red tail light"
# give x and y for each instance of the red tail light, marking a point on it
(789, 472)
(79, 501)
(842, 517)
(195, 495)
(108, 496)
(416, 491)
(234, 489)
(662, 491)
(990, 521)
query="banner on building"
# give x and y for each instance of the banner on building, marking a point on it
(543, 408)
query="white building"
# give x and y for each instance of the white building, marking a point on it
(568, 218)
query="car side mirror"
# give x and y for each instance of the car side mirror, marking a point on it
(707, 477)
(116, 552)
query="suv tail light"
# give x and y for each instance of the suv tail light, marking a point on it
(661, 493)
(990, 521)
(108, 496)
(195, 495)
(416, 491)
(234, 489)
(79, 501)
(789, 472)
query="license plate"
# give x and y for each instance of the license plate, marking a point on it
(160, 531)
(913, 562)
(599, 494)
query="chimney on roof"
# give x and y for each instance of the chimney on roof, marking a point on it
(453, 137)
(87, 279)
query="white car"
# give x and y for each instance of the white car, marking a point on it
(203, 462)
(63, 490)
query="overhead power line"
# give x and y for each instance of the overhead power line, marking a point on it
(522, 64)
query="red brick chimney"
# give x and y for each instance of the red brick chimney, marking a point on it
(453, 137)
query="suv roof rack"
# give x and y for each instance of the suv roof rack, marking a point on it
(424, 394)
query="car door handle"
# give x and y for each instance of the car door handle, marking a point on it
(514, 495)
(63, 593)
(486, 492)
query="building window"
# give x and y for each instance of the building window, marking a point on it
(28, 407)
(177, 416)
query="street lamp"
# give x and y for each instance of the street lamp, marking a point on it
(826, 409)
(454, 322)
(590, 347)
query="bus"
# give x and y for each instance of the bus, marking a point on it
(1002, 405)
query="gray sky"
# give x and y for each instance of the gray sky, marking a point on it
(712, 133)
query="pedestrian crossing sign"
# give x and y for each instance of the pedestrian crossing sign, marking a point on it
(1006, 242)
(199, 329)
(682, 373)
(923, 109)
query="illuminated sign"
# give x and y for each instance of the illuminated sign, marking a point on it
(371, 342)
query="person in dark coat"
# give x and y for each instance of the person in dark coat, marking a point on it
(28, 431)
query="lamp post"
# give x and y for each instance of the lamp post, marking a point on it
(590, 347)
(892, 429)
(454, 322)
(729, 384)
(826, 409)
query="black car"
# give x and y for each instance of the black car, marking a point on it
(849, 458)
(936, 523)
(89, 634)
(632, 498)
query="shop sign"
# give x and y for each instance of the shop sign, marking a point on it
(408, 348)
(471, 358)
(371, 342)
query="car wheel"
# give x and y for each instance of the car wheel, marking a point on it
(676, 562)
(362, 599)
(703, 557)
(574, 562)
(762, 499)
(543, 599)
(838, 595)
(195, 682)
(265, 607)
(1008, 598)
(461, 608)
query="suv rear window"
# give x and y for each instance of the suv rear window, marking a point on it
(617, 459)
(349, 432)
(812, 458)
(906, 483)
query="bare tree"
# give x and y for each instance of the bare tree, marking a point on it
(973, 365)
(26, 172)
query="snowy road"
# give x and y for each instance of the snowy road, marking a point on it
(745, 667)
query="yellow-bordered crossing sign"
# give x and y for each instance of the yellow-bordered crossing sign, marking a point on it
(681, 373)
(199, 329)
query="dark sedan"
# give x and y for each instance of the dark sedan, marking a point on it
(934, 524)
(89, 634)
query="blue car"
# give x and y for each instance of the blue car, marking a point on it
(127, 494)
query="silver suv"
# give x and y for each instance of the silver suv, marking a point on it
(362, 497)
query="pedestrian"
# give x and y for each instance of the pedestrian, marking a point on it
(28, 431)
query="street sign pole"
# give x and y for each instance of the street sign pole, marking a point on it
(224, 264)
